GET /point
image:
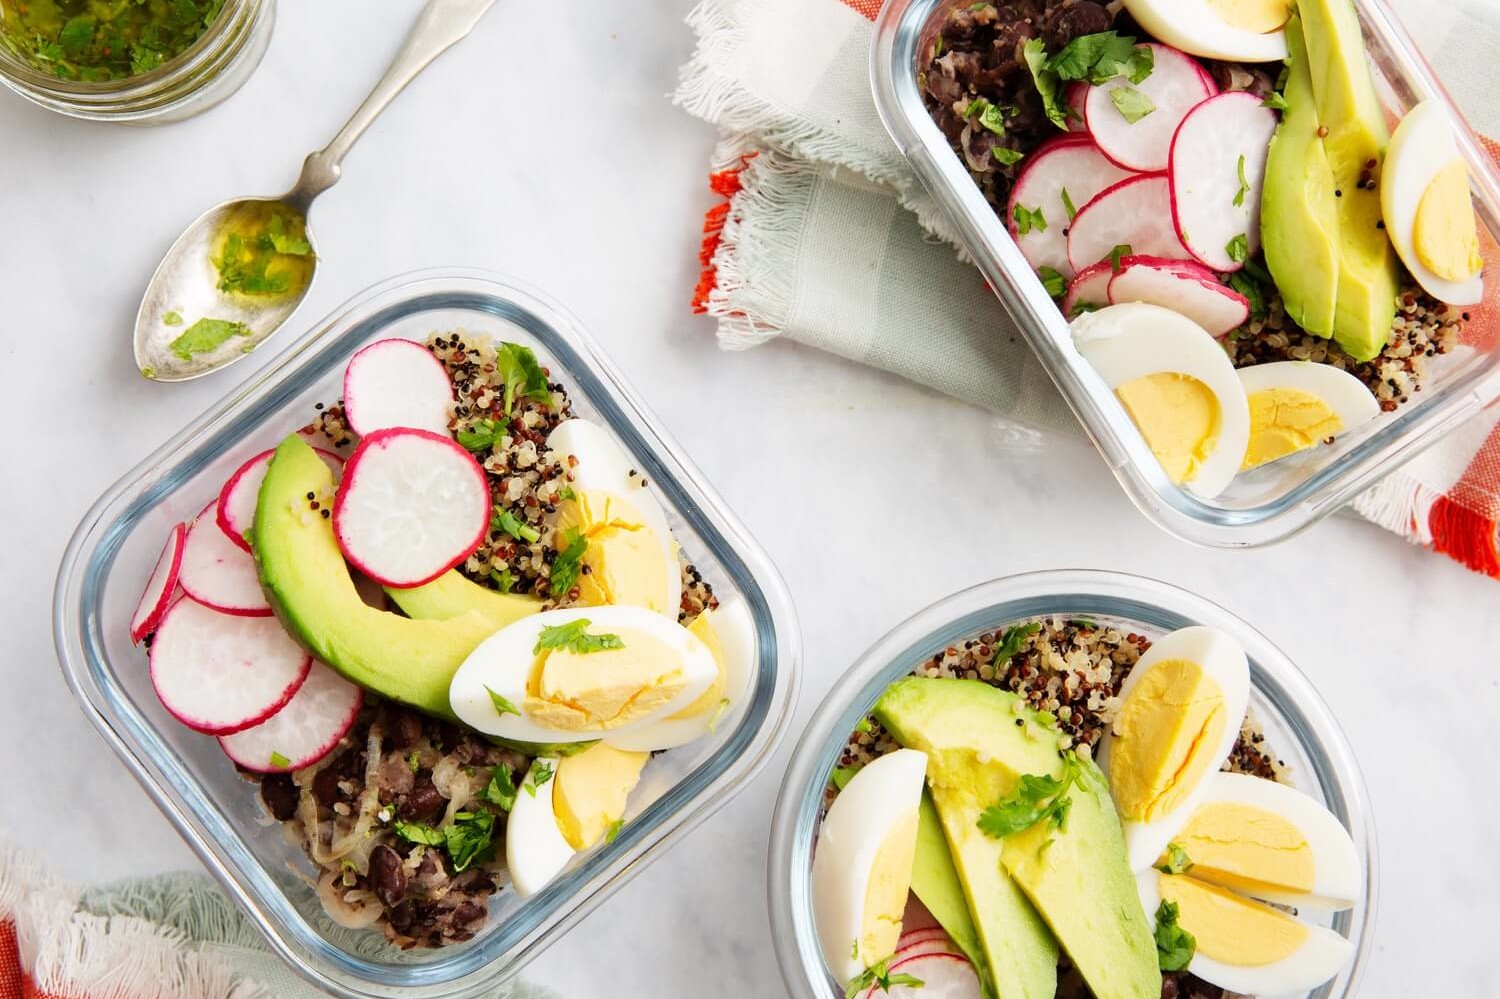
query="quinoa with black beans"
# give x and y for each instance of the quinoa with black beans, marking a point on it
(977, 56)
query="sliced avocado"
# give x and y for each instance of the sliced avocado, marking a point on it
(935, 881)
(1355, 143)
(453, 594)
(1299, 226)
(926, 715)
(980, 741)
(309, 587)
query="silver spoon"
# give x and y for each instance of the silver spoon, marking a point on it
(171, 344)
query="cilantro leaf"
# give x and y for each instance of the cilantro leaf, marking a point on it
(1068, 205)
(1120, 252)
(1052, 280)
(1238, 248)
(879, 976)
(574, 637)
(1037, 798)
(417, 832)
(484, 435)
(1028, 219)
(504, 520)
(613, 830)
(521, 375)
(504, 581)
(77, 35)
(1131, 103)
(206, 335)
(503, 706)
(277, 760)
(1177, 861)
(1248, 285)
(414, 761)
(1100, 57)
(1175, 946)
(171, 318)
(1239, 196)
(1046, 82)
(278, 239)
(1275, 102)
(501, 790)
(539, 775)
(1014, 640)
(569, 562)
(1007, 156)
(470, 838)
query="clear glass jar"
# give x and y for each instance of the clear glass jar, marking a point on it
(201, 76)
(1297, 724)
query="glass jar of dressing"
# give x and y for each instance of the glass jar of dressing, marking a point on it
(139, 62)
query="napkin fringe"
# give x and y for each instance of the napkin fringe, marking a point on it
(1401, 505)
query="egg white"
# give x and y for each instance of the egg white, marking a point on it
(880, 795)
(503, 663)
(1346, 395)
(1221, 658)
(731, 621)
(604, 466)
(1196, 28)
(1322, 956)
(1132, 340)
(535, 849)
(1420, 147)
(1337, 881)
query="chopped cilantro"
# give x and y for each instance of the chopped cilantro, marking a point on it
(1068, 205)
(1037, 798)
(1100, 57)
(416, 832)
(484, 435)
(1178, 861)
(1275, 102)
(569, 562)
(172, 318)
(501, 790)
(503, 705)
(1007, 156)
(504, 520)
(1175, 946)
(1079, 308)
(521, 375)
(992, 119)
(206, 335)
(1238, 248)
(880, 977)
(1131, 103)
(613, 830)
(1244, 282)
(1046, 82)
(540, 774)
(1014, 640)
(1052, 280)
(566, 493)
(414, 760)
(504, 581)
(470, 838)
(1239, 196)
(1120, 252)
(279, 761)
(574, 637)
(1028, 219)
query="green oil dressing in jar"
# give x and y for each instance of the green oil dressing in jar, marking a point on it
(97, 41)
(261, 250)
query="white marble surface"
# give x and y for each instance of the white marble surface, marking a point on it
(544, 146)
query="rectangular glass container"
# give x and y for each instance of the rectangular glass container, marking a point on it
(1274, 501)
(219, 813)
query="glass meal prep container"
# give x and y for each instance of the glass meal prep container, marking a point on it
(1298, 725)
(220, 814)
(1276, 500)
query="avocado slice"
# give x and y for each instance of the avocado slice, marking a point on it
(1356, 138)
(453, 594)
(309, 587)
(1299, 225)
(980, 741)
(935, 881)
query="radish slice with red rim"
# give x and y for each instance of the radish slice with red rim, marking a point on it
(911, 937)
(1070, 164)
(235, 511)
(1187, 288)
(397, 383)
(412, 505)
(219, 573)
(158, 593)
(1088, 289)
(304, 731)
(1218, 166)
(931, 945)
(220, 673)
(1135, 213)
(943, 976)
(1175, 85)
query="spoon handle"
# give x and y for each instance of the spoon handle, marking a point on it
(442, 24)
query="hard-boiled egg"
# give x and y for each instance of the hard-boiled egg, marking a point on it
(1242, 945)
(1237, 30)
(861, 870)
(729, 633)
(1294, 405)
(581, 673)
(566, 805)
(1424, 198)
(1271, 842)
(1181, 707)
(1177, 384)
(630, 555)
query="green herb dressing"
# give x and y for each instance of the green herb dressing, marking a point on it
(98, 41)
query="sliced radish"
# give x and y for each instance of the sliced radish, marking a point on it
(412, 505)
(1136, 212)
(304, 731)
(1089, 287)
(218, 572)
(1187, 288)
(1218, 158)
(397, 383)
(158, 592)
(933, 945)
(236, 508)
(922, 935)
(1071, 164)
(1073, 97)
(943, 976)
(221, 673)
(1175, 85)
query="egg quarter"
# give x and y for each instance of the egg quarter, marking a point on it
(1295, 405)
(535, 849)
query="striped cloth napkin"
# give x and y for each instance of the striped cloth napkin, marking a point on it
(825, 237)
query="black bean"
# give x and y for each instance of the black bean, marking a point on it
(422, 802)
(280, 795)
(386, 876)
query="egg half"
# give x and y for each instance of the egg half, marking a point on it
(1181, 707)
(861, 870)
(628, 668)
(1177, 385)
(1295, 405)
(630, 557)
(729, 633)
(1429, 216)
(1237, 30)
(565, 805)
(1242, 945)
(1271, 842)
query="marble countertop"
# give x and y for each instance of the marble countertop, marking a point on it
(545, 147)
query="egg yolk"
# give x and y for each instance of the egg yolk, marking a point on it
(1259, 16)
(885, 893)
(1167, 733)
(708, 701)
(1179, 417)
(598, 691)
(1444, 233)
(1284, 420)
(1230, 928)
(624, 561)
(1244, 848)
(589, 792)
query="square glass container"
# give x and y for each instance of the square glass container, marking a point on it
(219, 813)
(1299, 728)
(1276, 500)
